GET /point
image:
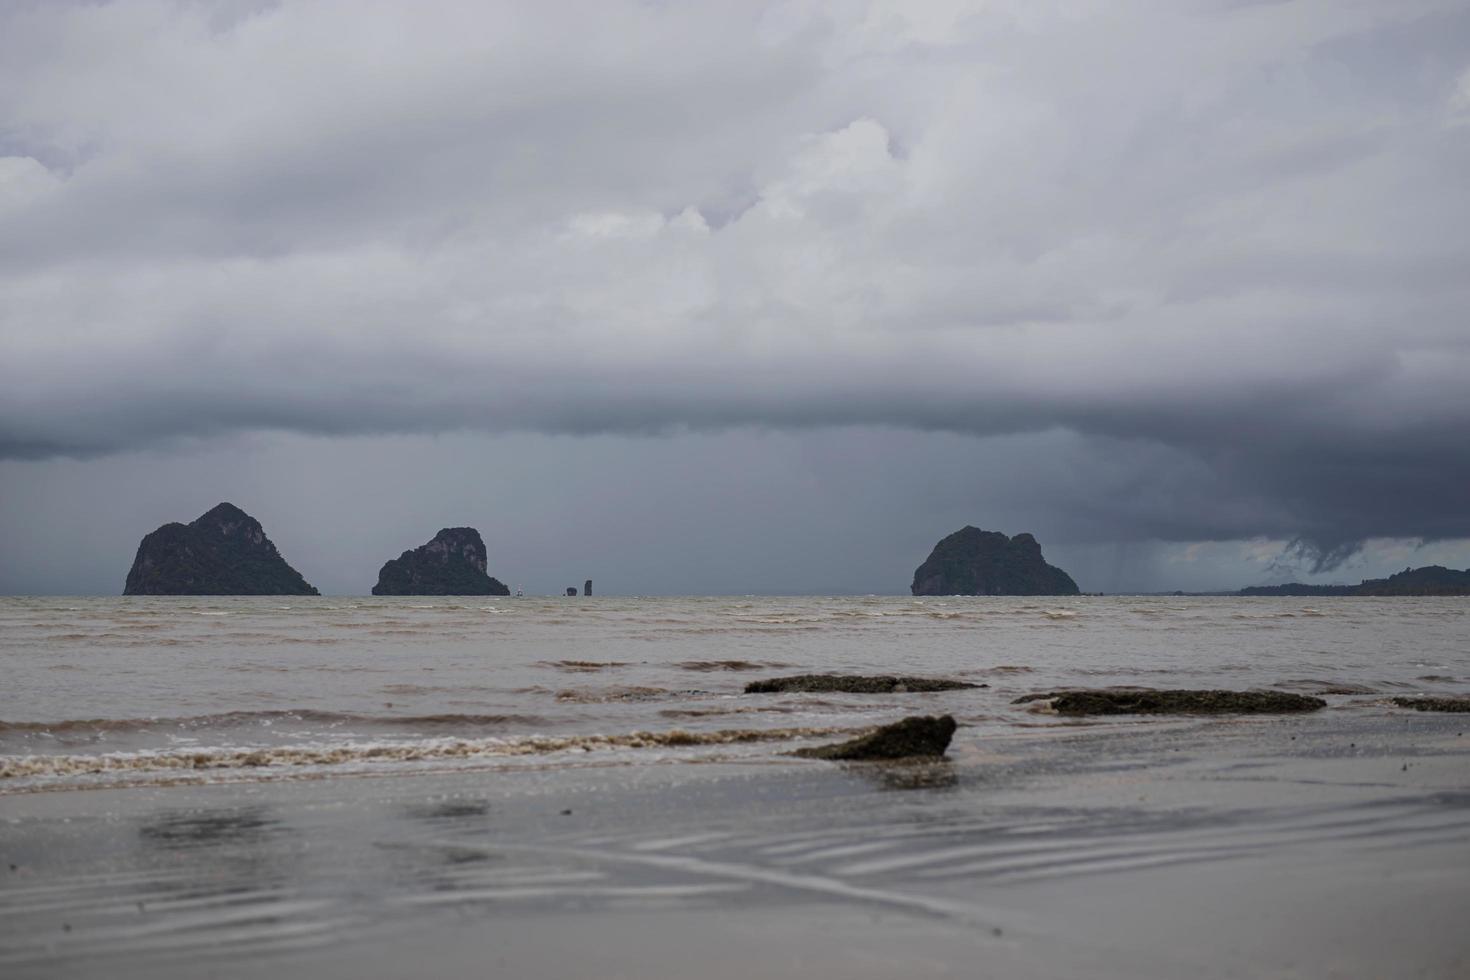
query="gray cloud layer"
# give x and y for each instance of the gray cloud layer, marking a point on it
(1223, 244)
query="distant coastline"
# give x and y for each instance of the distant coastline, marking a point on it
(1429, 580)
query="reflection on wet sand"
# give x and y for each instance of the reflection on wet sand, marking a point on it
(907, 773)
(450, 809)
(243, 826)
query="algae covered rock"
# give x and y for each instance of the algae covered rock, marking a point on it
(223, 552)
(853, 684)
(975, 562)
(1434, 704)
(1172, 702)
(453, 563)
(920, 736)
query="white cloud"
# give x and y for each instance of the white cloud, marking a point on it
(1460, 99)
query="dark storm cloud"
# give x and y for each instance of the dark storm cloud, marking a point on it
(1217, 250)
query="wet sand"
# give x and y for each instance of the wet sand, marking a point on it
(1329, 845)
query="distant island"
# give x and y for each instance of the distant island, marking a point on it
(453, 563)
(223, 552)
(975, 562)
(1429, 580)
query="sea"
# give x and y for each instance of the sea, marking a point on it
(563, 787)
(160, 691)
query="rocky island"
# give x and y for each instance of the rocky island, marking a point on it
(453, 563)
(975, 562)
(224, 552)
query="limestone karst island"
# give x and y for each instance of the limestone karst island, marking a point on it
(223, 552)
(453, 563)
(975, 562)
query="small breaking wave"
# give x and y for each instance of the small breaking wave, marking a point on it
(1314, 686)
(779, 709)
(709, 666)
(16, 767)
(583, 666)
(242, 719)
(614, 695)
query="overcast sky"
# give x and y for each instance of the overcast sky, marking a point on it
(739, 297)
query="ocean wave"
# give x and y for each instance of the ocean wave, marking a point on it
(239, 719)
(31, 766)
(1325, 686)
(779, 709)
(615, 694)
(583, 666)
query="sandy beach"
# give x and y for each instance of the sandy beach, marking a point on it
(1330, 845)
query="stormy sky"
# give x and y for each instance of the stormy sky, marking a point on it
(739, 297)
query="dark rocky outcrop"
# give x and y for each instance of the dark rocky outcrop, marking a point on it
(1172, 702)
(224, 552)
(451, 564)
(571, 590)
(975, 562)
(917, 737)
(1429, 580)
(1434, 704)
(851, 684)
(587, 587)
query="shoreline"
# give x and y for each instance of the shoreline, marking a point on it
(1134, 850)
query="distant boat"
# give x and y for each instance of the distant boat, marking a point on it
(519, 593)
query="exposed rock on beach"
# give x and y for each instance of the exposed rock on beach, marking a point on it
(223, 552)
(1434, 704)
(453, 563)
(853, 684)
(1171, 702)
(920, 736)
(975, 562)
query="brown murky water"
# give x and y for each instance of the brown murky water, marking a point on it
(581, 788)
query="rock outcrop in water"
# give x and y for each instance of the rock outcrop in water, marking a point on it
(1429, 580)
(453, 563)
(913, 738)
(975, 562)
(1434, 704)
(224, 552)
(853, 684)
(1171, 702)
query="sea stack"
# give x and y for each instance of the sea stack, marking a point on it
(587, 587)
(453, 563)
(224, 552)
(975, 562)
